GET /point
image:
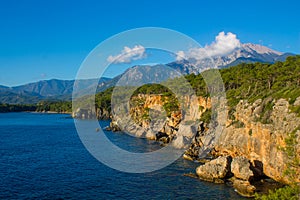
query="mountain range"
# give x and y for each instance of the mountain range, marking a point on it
(247, 53)
(55, 89)
(50, 90)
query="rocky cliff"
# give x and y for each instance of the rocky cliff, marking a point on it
(246, 135)
(248, 149)
(88, 113)
(251, 146)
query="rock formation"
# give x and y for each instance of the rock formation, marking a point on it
(247, 150)
(216, 170)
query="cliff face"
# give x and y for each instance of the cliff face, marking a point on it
(255, 131)
(146, 107)
(260, 143)
(84, 113)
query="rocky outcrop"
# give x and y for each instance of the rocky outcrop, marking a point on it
(83, 113)
(252, 136)
(243, 187)
(147, 116)
(254, 131)
(225, 169)
(216, 170)
(240, 167)
(257, 141)
(113, 126)
(89, 113)
(184, 136)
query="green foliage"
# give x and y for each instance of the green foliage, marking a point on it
(58, 106)
(245, 81)
(238, 124)
(145, 115)
(16, 108)
(256, 81)
(206, 116)
(250, 132)
(169, 100)
(103, 99)
(266, 111)
(290, 150)
(43, 106)
(285, 193)
(152, 89)
(201, 108)
(295, 109)
(231, 113)
(170, 106)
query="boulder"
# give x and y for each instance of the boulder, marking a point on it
(168, 129)
(240, 167)
(188, 131)
(160, 135)
(215, 170)
(150, 135)
(114, 126)
(180, 142)
(244, 188)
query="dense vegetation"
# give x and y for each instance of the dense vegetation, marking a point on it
(245, 81)
(256, 81)
(58, 106)
(250, 81)
(43, 106)
(169, 100)
(16, 108)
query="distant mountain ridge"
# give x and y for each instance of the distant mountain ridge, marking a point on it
(53, 89)
(251, 53)
(247, 53)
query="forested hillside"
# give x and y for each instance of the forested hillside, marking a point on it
(245, 81)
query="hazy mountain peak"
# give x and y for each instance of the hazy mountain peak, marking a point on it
(259, 49)
(246, 53)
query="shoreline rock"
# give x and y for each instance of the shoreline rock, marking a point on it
(216, 170)
(250, 138)
(240, 167)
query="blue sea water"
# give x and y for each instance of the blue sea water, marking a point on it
(42, 157)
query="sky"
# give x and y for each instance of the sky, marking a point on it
(50, 39)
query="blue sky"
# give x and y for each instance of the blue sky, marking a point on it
(50, 39)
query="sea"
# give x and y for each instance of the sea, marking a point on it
(42, 157)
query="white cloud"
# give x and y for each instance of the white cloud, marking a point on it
(128, 54)
(223, 45)
(180, 55)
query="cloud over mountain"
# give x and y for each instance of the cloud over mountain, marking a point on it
(128, 55)
(224, 44)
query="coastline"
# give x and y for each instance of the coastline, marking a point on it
(259, 186)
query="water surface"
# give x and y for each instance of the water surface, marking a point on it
(41, 156)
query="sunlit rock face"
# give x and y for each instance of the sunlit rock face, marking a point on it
(251, 131)
(259, 142)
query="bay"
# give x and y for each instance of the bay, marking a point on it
(42, 157)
